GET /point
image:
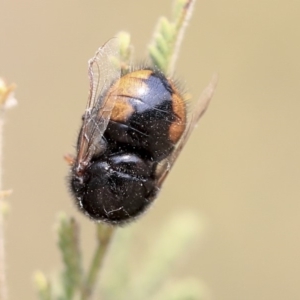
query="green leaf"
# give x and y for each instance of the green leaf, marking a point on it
(68, 241)
(171, 243)
(186, 289)
(43, 286)
(164, 48)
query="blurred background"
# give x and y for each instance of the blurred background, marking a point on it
(240, 171)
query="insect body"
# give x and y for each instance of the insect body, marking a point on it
(133, 129)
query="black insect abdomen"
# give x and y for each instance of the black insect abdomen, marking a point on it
(116, 189)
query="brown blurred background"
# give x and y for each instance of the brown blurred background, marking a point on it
(240, 170)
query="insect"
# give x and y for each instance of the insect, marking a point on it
(133, 129)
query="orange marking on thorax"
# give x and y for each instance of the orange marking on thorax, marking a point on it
(131, 85)
(178, 126)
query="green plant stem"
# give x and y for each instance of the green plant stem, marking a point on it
(3, 280)
(104, 235)
(6, 101)
(180, 26)
(68, 232)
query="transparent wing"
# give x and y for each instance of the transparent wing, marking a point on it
(200, 108)
(104, 72)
